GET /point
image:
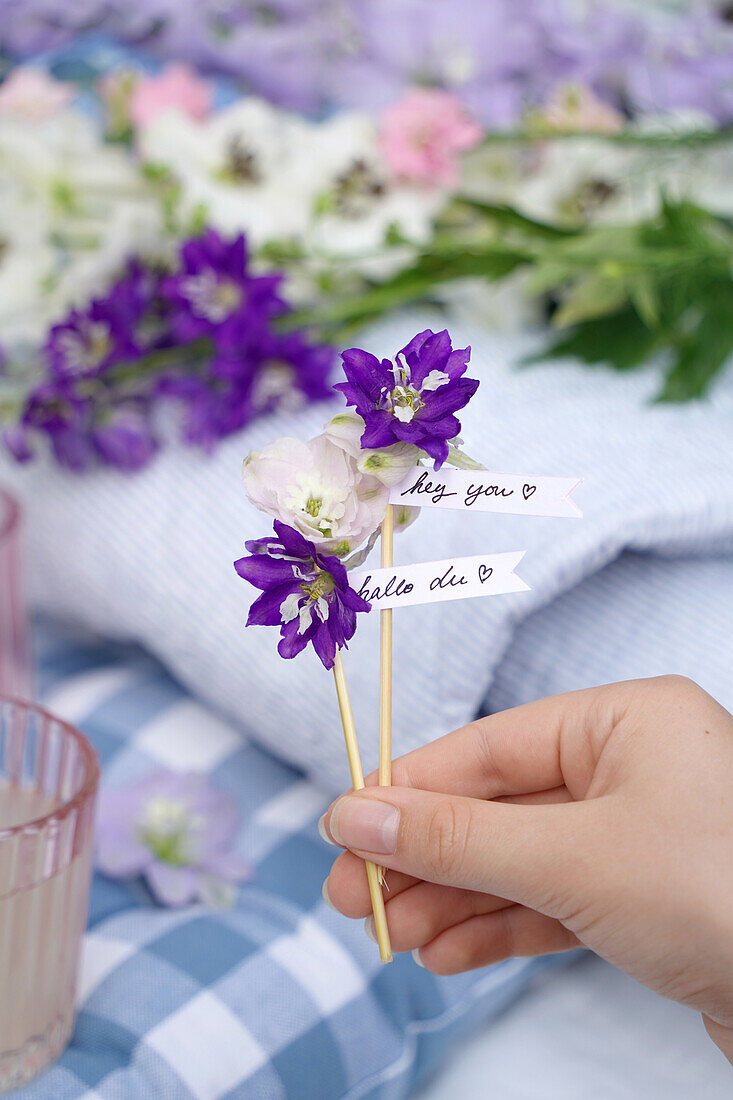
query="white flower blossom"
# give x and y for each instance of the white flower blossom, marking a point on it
(318, 489)
(357, 204)
(389, 464)
(77, 206)
(240, 166)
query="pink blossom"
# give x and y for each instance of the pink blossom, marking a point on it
(575, 108)
(178, 87)
(32, 95)
(422, 134)
(317, 489)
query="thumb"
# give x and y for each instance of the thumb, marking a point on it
(543, 856)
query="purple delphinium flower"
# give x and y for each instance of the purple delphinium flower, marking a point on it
(214, 292)
(87, 342)
(111, 330)
(175, 830)
(123, 436)
(688, 65)
(108, 366)
(304, 592)
(289, 367)
(282, 370)
(413, 400)
(211, 407)
(254, 370)
(56, 410)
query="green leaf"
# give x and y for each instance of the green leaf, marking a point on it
(412, 284)
(590, 297)
(621, 340)
(644, 297)
(505, 215)
(703, 352)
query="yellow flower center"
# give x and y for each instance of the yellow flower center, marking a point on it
(319, 587)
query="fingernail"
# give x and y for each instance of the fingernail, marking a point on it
(365, 824)
(369, 929)
(326, 898)
(322, 831)
(416, 957)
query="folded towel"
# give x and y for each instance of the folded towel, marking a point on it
(149, 557)
(640, 616)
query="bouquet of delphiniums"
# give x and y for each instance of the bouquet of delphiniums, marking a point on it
(330, 501)
(203, 333)
(580, 178)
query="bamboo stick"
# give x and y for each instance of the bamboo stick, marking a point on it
(357, 781)
(385, 667)
(385, 662)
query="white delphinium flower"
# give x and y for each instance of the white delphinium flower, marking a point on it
(392, 464)
(318, 489)
(698, 172)
(85, 204)
(239, 166)
(27, 264)
(584, 181)
(357, 205)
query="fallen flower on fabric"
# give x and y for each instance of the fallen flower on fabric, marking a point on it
(423, 134)
(304, 592)
(176, 831)
(413, 399)
(317, 488)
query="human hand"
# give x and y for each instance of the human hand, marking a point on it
(601, 818)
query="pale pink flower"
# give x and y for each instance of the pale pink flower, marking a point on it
(31, 95)
(177, 87)
(575, 108)
(422, 135)
(316, 488)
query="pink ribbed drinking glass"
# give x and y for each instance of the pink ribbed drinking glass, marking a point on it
(15, 665)
(48, 784)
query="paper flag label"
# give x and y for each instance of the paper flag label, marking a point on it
(486, 491)
(431, 581)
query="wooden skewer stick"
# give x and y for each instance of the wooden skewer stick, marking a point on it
(385, 666)
(357, 781)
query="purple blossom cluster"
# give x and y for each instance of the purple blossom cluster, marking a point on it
(202, 337)
(637, 60)
(304, 592)
(413, 399)
(307, 53)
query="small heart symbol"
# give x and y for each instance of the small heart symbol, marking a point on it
(527, 491)
(484, 572)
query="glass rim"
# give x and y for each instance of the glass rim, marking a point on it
(91, 767)
(9, 515)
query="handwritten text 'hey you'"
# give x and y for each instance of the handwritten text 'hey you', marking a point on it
(485, 491)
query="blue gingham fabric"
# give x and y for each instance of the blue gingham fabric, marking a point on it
(277, 998)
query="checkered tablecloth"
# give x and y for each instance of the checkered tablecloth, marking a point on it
(278, 997)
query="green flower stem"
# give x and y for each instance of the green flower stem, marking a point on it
(10, 410)
(624, 137)
(189, 355)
